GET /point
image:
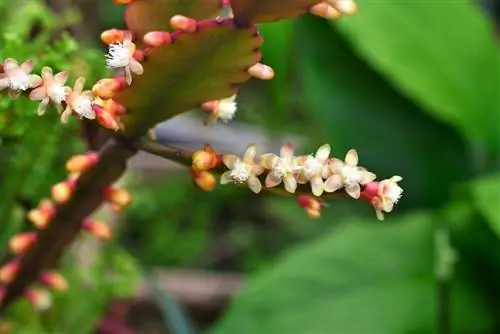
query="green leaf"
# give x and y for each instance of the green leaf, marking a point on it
(360, 278)
(195, 68)
(356, 108)
(441, 54)
(154, 15)
(259, 11)
(486, 192)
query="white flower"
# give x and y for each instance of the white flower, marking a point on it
(224, 109)
(52, 89)
(243, 171)
(78, 101)
(389, 193)
(282, 168)
(315, 169)
(121, 56)
(17, 78)
(348, 175)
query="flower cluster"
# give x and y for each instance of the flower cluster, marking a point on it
(325, 174)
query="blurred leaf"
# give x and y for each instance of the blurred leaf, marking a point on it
(270, 10)
(356, 108)
(486, 192)
(360, 278)
(276, 52)
(440, 54)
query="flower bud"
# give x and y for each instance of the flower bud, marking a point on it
(113, 35)
(106, 118)
(157, 38)
(40, 299)
(53, 280)
(9, 270)
(117, 197)
(82, 162)
(107, 88)
(99, 229)
(204, 180)
(21, 242)
(186, 24)
(61, 192)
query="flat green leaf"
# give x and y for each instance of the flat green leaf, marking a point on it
(360, 278)
(259, 11)
(154, 15)
(355, 108)
(486, 192)
(440, 54)
(198, 67)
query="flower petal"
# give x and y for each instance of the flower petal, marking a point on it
(4, 82)
(290, 183)
(254, 184)
(14, 94)
(323, 153)
(317, 185)
(61, 77)
(287, 150)
(78, 86)
(34, 80)
(367, 177)
(27, 66)
(272, 180)
(333, 183)
(136, 67)
(267, 160)
(43, 106)
(37, 93)
(66, 113)
(10, 64)
(351, 158)
(250, 153)
(230, 160)
(353, 190)
(226, 178)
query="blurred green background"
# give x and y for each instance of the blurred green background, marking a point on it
(413, 86)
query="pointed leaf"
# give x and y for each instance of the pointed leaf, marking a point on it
(487, 199)
(193, 69)
(259, 11)
(154, 15)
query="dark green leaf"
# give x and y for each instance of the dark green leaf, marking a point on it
(440, 54)
(486, 192)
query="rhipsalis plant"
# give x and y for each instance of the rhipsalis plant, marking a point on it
(176, 55)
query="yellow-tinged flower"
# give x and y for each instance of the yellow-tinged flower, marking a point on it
(51, 90)
(315, 168)
(224, 110)
(17, 78)
(348, 174)
(79, 101)
(121, 56)
(243, 171)
(281, 168)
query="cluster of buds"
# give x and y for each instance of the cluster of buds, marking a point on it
(325, 174)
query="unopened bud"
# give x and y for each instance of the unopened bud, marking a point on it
(204, 160)
(186, 24)
(107, 88)
(308, 202)
(117, 197)
(40, 299)
(82, 162)
(105, 118)
(61, 192)
(113, 36)
(123, 2)
(9, 270)
(111, 106)
(261, 71)
(313, 214)
(53, 280)
(41, 216)
(157, 38)
(21, 242)
(204, 180)
(97, 228)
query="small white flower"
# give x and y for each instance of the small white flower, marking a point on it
(348, 175)
(79, 101)
(282, 168)
(389, 193)
(17, 78)
(315, 168)
(224, 109)
(121, 56)
(243, 171)
(51, 90)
